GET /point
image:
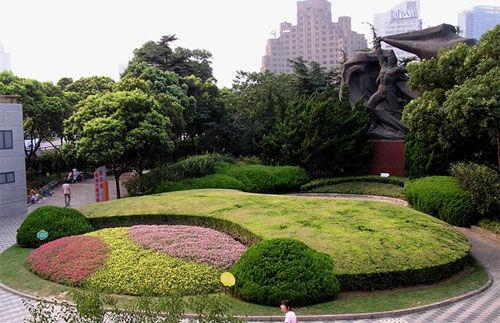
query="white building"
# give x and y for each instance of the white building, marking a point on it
(475, 22)
(315, 37)
(4, 60)
(13, 197)
(403, 18)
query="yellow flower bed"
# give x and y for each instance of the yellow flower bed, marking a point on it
(134, 270)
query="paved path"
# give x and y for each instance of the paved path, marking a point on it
(484, 307)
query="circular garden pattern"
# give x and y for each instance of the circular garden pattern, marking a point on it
(141, 259)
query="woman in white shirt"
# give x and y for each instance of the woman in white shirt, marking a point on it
(286, 307)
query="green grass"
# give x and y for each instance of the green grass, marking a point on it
(15, 274)
(361, 237)
(362, 188)
(491, 225)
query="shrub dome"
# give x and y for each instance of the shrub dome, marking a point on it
(58, 222)
(277, 269)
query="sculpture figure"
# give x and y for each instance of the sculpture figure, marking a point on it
(376, 79)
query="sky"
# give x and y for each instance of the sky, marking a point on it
(50, 39)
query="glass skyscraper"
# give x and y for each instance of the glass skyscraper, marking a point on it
(475, 22)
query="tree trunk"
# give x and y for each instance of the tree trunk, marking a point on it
(498, 150)
(117, 183)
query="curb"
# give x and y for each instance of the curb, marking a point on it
(354, 316)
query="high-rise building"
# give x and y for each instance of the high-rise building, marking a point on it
(475, 22)
(315, 38)
(4, 60)
(403, 18)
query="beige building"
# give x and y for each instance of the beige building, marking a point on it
(315, 38)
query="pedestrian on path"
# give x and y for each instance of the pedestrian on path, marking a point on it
(286, 307)
(67, 194)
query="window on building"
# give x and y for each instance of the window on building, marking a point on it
(7, 178)
(6, 139)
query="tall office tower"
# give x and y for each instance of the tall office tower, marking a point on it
(4, 60)
(404, 17)
(475, 22)
(315, 38)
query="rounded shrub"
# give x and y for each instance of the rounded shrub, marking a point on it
(442, 197)
(58, 222)
(283, 268)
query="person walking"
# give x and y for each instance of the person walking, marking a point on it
(67, 194)
(286, 307)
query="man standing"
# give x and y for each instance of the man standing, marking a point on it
(67, 194)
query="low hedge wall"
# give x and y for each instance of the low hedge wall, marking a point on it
(411, 277)
(399, 181)
(441, 197)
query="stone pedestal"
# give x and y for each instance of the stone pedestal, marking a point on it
(388, 157)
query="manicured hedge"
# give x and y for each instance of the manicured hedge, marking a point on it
(283, 268)
(248, 178)
(442, 197)
(209, 181)
(58, 222)
(399, 181)
(191, 167)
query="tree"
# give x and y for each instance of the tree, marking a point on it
(322, 134)
(118, 129)
(44, 109)
(182, 61)
(455, 118)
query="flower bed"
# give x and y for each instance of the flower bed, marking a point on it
(68, 260)
(133, 270)
(193, 243)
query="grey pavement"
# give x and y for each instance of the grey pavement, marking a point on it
(484, 307)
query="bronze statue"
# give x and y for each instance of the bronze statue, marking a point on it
(376, 79)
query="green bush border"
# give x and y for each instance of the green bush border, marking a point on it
(398, 181)
(348, 282)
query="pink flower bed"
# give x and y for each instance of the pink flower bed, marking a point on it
(198, 244)
(68, 260)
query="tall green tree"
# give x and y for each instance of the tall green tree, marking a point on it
(119, 129)
(44, 109)
(182, 61)
(455, 118)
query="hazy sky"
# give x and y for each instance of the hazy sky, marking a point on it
(49, 39)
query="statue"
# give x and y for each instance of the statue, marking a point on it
(376, 79)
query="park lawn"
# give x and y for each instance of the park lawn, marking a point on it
(361, 237)
(363, 188)
(14, 274)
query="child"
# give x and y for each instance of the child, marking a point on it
(286, 307)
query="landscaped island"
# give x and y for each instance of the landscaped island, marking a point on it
(372, 245)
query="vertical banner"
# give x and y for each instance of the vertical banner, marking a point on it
(99, 180)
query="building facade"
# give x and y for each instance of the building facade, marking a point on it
(475, 22)
(315, 38)
(4, 60)
(13, 197)
(403, 18)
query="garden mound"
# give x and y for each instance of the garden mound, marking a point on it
(372, 245)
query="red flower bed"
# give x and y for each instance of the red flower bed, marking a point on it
(68, 260)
